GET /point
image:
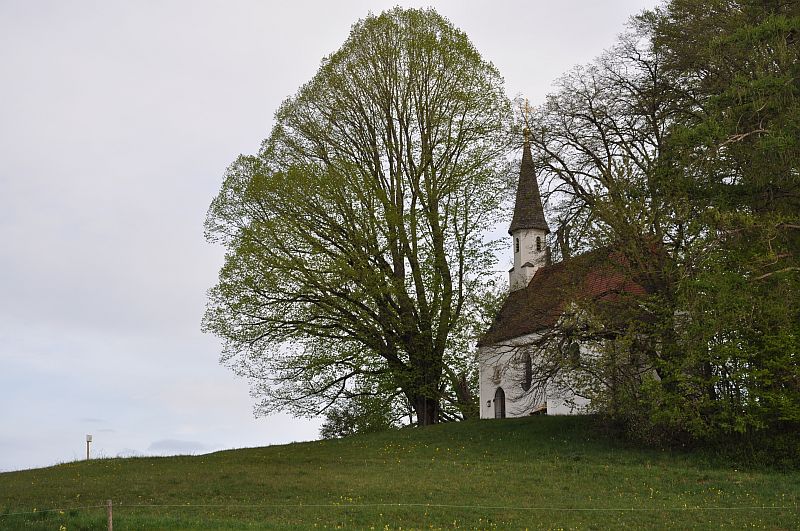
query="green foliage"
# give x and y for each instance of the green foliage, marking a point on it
(466, 474)
(354, 238)
(360, 414)
(738, 144)
(680, 149)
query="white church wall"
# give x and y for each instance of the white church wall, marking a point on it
(499, 366)
(564, 402)
(497, 370)
(528, 253)
(561, 399)
(527, 247)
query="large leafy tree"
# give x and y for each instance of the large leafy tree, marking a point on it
(355, 253)
(599, 140)
(679, 149)
(736, 64)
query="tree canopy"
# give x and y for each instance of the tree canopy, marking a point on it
(679, 149)
(355, 252)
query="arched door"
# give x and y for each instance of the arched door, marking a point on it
(500, 403)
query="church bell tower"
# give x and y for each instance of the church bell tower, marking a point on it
(528, 227)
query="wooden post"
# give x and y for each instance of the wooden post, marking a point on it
(110, 517)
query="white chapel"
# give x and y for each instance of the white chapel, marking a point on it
(539, 292)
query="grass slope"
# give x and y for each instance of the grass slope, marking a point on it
(546, 472)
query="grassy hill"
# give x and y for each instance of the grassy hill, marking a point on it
(546, 472)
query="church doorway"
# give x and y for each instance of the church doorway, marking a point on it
(500, 403)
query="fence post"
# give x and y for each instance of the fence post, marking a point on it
(110, 517)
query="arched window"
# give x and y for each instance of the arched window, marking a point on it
(500, 403)
(528, 381)
(516, 245)
(538, 243)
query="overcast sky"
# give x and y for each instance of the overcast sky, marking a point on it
(117, 121)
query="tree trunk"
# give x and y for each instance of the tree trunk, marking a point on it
(466, 402)
(562, 237)
(426, 409)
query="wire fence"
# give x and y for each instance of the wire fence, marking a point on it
(188, 505)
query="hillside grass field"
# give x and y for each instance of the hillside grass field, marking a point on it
(536, 473)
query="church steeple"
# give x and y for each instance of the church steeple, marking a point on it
(528, 226)
(528, 211)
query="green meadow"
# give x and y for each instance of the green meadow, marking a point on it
(536, 473)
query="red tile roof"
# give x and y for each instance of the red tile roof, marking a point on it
(598, 275)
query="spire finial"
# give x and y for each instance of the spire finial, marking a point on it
(528, 211)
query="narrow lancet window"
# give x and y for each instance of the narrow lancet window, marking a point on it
(538, 243)
(528, 381)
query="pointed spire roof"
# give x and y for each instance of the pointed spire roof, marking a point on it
(528, 211)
